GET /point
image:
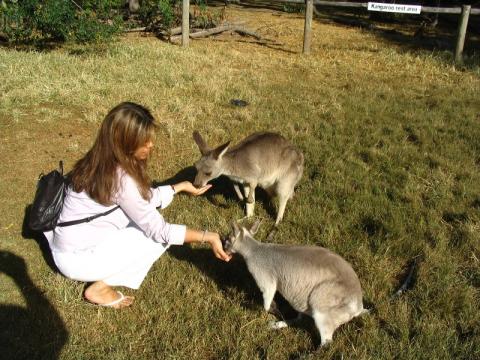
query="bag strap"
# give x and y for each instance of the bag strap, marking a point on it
(88, 219)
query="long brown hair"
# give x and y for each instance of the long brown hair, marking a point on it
(125, 128)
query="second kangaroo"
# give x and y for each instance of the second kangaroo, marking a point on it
(262, 159)
(314, 280)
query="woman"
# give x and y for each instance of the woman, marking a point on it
(118, 248)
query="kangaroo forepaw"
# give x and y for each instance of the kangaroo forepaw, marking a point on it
(271, 235)
(325, 343)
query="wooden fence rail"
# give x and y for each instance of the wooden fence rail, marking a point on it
(425, 9)
(465, 11)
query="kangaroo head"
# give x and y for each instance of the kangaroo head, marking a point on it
(237, 236)
(210, 165)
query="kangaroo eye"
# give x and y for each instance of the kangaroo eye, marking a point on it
(208, 173)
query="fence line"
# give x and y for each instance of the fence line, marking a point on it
(465, 11)
(425, 9)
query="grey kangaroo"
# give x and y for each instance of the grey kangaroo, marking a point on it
(262, 159)
(314, 280)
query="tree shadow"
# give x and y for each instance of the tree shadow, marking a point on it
(32, 332)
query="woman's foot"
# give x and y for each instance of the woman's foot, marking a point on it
(102, 294)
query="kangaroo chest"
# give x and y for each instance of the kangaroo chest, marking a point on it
(236, 179)
(264, 182)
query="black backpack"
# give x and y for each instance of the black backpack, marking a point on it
(48, 202)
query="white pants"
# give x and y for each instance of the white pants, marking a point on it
(123, 259)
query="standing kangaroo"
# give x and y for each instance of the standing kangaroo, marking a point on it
(262, 159)
(314, 280)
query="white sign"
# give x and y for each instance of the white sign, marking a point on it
(397, 8)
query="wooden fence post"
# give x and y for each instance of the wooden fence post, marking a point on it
(185, 22)
(307, 34)
(462, 30)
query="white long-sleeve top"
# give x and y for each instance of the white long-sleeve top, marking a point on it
(133, 209)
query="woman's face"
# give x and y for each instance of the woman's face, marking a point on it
(143, 151)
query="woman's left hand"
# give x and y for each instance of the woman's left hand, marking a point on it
(187, 186)
(217, 247)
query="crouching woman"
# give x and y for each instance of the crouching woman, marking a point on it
(119, 248)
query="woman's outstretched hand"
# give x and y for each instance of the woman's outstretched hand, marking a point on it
(210, 237)
(217, 248)
(187, 186)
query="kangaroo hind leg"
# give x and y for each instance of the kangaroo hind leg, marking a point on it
(325, 326)
(284, 192)
(332, 305)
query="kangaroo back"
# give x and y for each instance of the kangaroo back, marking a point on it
(302, 270)
(264, 158)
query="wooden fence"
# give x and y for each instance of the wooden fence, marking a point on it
(465, 11)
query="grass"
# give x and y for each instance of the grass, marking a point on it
(390, 138)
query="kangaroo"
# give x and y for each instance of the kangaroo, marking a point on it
(262, 159)
(314, 280)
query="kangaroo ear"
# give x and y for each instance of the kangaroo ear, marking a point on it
(245, 232)
(220, 151)
(235, 228)
(255, 226)
(202, 145)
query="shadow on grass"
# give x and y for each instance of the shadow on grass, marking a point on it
(28, 46)
(231, 277)
(72, 49)
(273, 46)
(32, 332)
(220, 186)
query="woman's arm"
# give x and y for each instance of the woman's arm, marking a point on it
(145, 215)
(162, 196)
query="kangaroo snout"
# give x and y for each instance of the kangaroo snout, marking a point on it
(199, 183)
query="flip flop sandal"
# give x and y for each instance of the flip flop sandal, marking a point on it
(114, 302)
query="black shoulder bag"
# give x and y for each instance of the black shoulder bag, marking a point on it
(48, 202)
